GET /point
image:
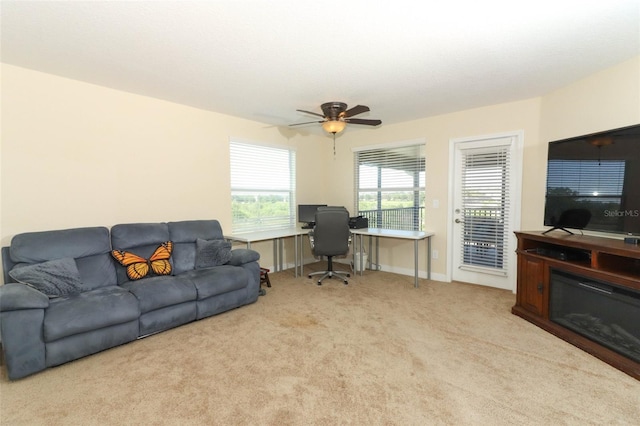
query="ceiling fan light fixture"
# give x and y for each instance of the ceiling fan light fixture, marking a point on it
(334, 126)
(601, 141)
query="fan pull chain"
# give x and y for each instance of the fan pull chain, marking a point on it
(334, 146)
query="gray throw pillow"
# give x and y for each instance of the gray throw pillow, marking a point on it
(211, 253)
(55, 278)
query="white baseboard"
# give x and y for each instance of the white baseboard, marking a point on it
(395, 270)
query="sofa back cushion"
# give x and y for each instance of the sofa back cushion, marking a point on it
(184, 235)
(90, 247)
(142, 239)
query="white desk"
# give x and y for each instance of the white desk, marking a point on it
(277, 235)
(416, 236)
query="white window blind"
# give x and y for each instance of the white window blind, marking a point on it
(390, 186)
(262, 187)
(485, 208)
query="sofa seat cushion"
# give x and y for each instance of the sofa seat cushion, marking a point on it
(88, 311)
(161, 291)
(217, 280)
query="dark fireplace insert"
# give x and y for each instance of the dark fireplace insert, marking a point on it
(602, 312)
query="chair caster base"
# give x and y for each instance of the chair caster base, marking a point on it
(331, 274)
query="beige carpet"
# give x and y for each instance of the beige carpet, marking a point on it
(376, 352)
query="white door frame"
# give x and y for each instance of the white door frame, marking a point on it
(516, 180)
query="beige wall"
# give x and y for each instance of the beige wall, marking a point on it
(606, 100)
(75, 154)
(437, 131)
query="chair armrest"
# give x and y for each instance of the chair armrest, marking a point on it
(14, 297)
(241, 256)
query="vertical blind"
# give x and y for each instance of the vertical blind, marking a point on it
(390, 186)
(485, 208)
(263, 187)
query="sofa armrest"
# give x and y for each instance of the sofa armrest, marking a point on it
(14, 297)
(21, 320)
(241, 256)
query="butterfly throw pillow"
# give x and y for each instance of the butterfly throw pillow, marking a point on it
(138, 267)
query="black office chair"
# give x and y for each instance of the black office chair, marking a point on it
(331, 237)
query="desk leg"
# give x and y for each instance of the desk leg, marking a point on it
(281, 252)
(275, 255)
(302, 255)
(295, 248)
(428, 258)
(374, 253)
(415, 262)
(355, 247)
(377, 257)
(361, 254)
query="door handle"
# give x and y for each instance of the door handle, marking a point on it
(458, 221)
(540, 288)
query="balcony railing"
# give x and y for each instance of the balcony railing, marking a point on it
(403, 218)
(484, 238)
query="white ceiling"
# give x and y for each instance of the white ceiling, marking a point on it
(262, 60)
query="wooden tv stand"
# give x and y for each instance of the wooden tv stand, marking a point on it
(603, 259)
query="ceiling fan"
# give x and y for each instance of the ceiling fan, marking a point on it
(336, 116)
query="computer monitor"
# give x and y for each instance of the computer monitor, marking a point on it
(307, 214)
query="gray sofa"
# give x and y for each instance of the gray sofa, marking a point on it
(94, 304)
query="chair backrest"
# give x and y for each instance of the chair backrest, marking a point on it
(331, 233)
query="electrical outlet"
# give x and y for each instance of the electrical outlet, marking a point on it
(434, 254)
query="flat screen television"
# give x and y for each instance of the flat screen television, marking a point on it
(593, 182)
(307, 214)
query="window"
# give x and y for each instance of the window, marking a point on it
(390, 186)
(263, 187)
(485, 207)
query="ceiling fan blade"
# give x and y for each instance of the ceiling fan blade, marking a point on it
(309, 112)
(358, 109)
(364, 121)
(307, 122)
